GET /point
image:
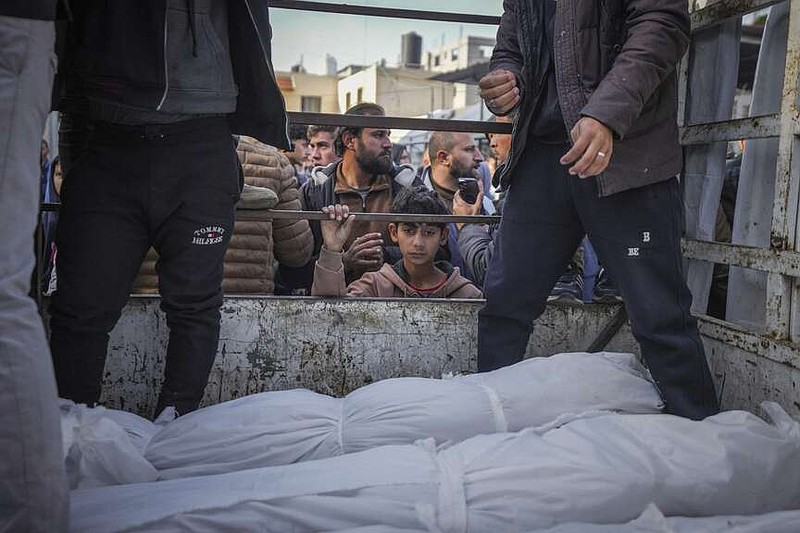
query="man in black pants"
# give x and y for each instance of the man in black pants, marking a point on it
(605, 73)
(150, 98)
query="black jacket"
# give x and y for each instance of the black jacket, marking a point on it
(29, 9)
(94, 62)
(615, 61)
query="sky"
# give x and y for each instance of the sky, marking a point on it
(308, 36)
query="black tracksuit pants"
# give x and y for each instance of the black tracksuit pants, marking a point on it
(636, 235)
(126, 188)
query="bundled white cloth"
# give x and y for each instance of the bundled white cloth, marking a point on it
(276, 428)
(653, 521)
(104, 447)
(597, 469)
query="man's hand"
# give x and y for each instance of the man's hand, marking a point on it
(592, 147)
(364, 254)
(460, 207)
(337, 228)
(499, 89)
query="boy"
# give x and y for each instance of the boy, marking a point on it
(415, 275)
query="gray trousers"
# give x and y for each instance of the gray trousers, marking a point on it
(33, 490)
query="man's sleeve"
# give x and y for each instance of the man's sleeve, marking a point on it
(328, 275)
(307, 203)
(477, 247)
(304, 201)
(507, 54)
(657, 37)
(293, 239)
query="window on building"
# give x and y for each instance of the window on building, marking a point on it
(348, 100)
(454, 54)
(311, 104)
(360, 97)
(437, 61)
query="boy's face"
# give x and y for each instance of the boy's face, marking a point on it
(418, 242)
(322, 152)
(301, 153)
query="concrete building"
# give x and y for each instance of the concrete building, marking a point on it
(401, 92)
(309, 92)
(460, 54)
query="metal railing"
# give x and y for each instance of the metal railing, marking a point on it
(780, 260)
(432, 124)
(413, 14)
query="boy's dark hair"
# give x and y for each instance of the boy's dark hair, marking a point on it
(363, 109)
(419, 201)
(297, 131)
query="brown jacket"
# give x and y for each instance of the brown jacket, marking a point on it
(615, 61)
(256, 247)
(378, 200)
(385, 283)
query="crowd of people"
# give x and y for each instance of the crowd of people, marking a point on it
(166, 130)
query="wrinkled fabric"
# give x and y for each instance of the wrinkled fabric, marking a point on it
(704, 164)
(604, 469)
(33, 491)
(275, 428)
(755, 196)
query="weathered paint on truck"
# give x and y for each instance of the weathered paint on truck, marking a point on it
(335, 346)
(329, 346)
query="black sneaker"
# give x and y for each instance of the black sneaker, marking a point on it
(604, 290)
(568, 288)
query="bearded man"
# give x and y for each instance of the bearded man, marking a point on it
(367, 181)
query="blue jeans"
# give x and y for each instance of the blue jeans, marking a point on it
(33, 490)
(636, 235)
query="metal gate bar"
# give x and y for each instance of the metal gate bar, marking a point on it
(784, 215)
(415, 14)
(763, 259)
(732, 130)
(706, 13)
(432, 124)
(274, 214)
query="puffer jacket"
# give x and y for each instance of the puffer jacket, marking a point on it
(615, 61)
(256, 247)
(384, 283)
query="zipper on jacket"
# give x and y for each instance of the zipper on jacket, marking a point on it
(166, 63)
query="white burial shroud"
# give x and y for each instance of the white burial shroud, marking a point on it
(602, 468)
(276, 428)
